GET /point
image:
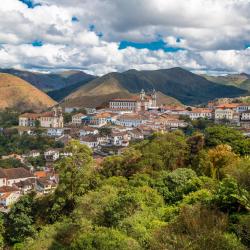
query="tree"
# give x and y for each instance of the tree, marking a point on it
(220, 157)
(197, 228)
(165, 151)
(20, 220)
(75, 174)
(218, 135)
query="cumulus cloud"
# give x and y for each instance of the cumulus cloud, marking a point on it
(213, 33)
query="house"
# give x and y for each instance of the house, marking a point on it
(245, 115)
(242, 107)
(97, 120)
(200, 113)
(223, 114)
(45, 185)
(11, 176)
(86, 130)
(9, 195)
(141, 102)
(119, 138)
(33, 154)
(55, 132)
(26, 185)
(50, 119)
(89, 140)
(131, 120)
(136, 134)
(77, 118)
(52, 154)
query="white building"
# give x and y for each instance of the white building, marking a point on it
(200, 113)
(142, 102)
(51, 119)
(131, 120)
(10, 176)
(9, 195)
(221, 114)
(86, 130)
(77, 118)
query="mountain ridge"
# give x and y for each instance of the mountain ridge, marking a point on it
(178, 83)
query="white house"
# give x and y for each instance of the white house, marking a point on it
(220, 114)
(89, 140)
(200, 113)
(131, 120)
(77, 118)
(9, 195)
(52, 154)
(10, 176)
(86, 130)
(55, 132)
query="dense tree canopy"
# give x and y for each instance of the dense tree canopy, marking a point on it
(171, 191)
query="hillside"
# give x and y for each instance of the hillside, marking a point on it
(178, 83)
(50, 81)
(238, 80)
(17, 93)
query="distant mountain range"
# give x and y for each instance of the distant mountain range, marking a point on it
(19, 94)
(238, 80)
(51, 81)
(175, 85)
(178, 83)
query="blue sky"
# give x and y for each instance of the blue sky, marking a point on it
(102, 36)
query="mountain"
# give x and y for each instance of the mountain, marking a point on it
(17, 93)
(178, 83)
(50, 81)
(238, 80)
(60, 94)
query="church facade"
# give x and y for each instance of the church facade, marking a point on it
(138, 103)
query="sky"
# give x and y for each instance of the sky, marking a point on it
(101, 36)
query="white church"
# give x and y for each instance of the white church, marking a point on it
(139, 103)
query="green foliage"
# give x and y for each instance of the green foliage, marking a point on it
(75, 175)
(196, 228)
(170, 191)
(11, 163)
(8, 118)
(217, 135)
(20, 220)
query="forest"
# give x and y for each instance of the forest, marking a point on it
(170, 191)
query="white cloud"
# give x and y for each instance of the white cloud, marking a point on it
(213, 32)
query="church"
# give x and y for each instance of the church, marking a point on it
(138, 103)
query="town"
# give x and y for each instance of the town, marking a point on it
(107, 131)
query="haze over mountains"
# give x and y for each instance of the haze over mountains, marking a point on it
(175, 85)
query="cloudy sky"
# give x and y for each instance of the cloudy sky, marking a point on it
(99, 36)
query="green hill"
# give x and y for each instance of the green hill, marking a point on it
(178, 83)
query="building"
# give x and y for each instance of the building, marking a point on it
(200, 113)
(85, 130)
(9, 195)
(131, 120)
(245, 116)
(52, 154)
(11, 176)
(97, 120)
(142, 102)
(89, 140)
(224, 114)
(50, 119)
(77, 118)
(242, 107)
